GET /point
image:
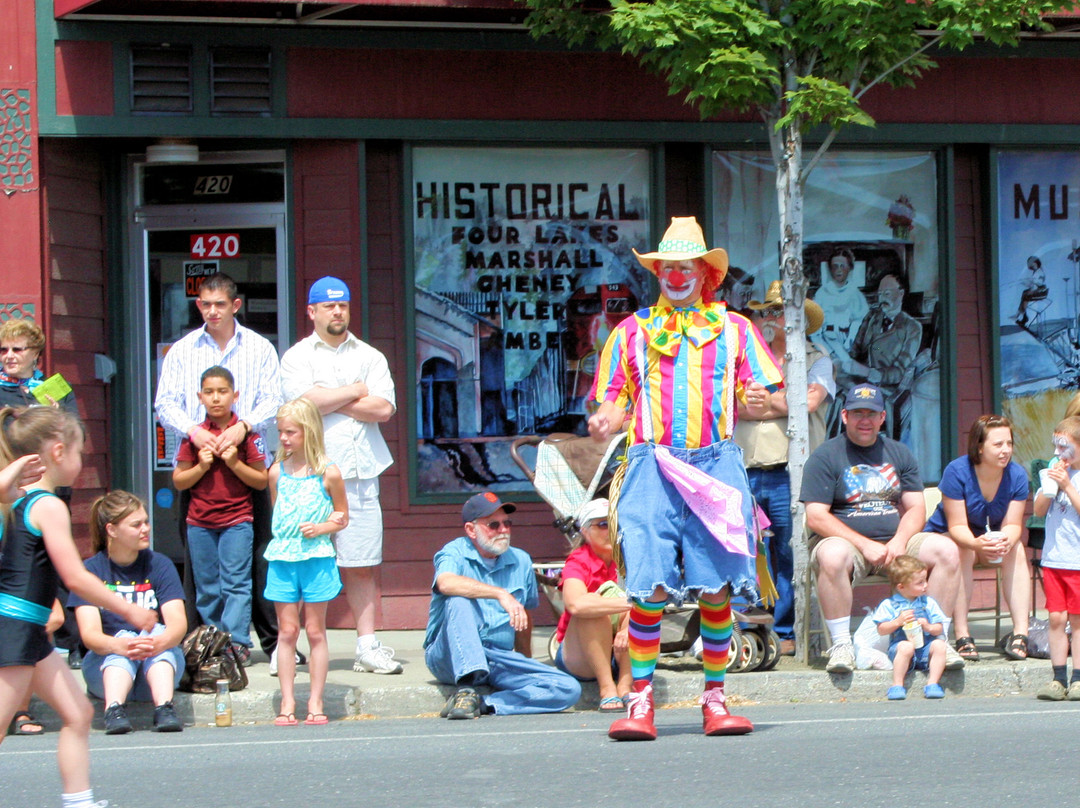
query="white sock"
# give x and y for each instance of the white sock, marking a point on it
(839, 630)
(78, 799)
(946, 624)
(364, 642)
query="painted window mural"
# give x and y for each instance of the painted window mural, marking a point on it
(522, 265)
(1038, 272)
(871, 256)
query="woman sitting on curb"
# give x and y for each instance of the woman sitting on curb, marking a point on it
(121, 661)
(593, 629)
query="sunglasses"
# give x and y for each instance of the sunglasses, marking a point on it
(506, 523)
(13, 350)
(598, 523)
(773, 311)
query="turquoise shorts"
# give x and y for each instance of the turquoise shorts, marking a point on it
(314, 580)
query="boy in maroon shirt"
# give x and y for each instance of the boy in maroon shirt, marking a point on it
(221, 477)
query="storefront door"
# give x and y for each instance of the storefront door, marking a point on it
(177, 247)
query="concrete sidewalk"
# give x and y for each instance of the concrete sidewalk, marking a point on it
(351, 695)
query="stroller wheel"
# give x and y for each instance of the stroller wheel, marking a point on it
(756, 643)
(553, 647)
(739, 652)
(772, 651)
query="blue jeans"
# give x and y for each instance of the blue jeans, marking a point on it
(94, 666)
(221, 564)
(519, 684)
(772, 490)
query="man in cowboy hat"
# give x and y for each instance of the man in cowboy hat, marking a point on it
(675, 369)
(764, 442)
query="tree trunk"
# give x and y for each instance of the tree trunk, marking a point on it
(789, 188)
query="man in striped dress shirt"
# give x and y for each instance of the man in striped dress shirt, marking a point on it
(674, 370)
(254, 365)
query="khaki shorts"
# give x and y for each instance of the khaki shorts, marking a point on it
(860, 569)
(360, 543)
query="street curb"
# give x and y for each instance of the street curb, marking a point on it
(393, 698)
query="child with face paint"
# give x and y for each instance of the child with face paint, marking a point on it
(1058, 499)
(674, 369)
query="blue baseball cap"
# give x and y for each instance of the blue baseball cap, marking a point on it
(328, 289)
(484, 504)
(865, 397)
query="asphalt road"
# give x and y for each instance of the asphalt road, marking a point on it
(959, 752)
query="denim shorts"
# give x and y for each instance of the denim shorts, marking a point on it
(314, 580)
(921, 660)
(664, 543)
(94, 665)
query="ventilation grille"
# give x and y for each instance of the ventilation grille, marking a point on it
(240, 81)
(160, 80)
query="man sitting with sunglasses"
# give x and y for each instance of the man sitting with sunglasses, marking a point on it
(479, 630)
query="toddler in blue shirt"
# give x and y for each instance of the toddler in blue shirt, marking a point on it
(921, 646)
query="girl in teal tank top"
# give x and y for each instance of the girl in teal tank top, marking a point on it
(308, 494)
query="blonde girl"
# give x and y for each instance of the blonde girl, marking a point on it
(309, 505)
(39, 550)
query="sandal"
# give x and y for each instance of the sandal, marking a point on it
(285, 720)
(612, 704)
(1015, 646)
(316, 719)
(23, 723)
(965, 647)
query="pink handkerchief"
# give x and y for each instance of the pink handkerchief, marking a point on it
(716, 504)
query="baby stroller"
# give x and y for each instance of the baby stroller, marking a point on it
(571, 470)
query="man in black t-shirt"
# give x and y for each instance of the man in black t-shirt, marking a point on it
(864, 507)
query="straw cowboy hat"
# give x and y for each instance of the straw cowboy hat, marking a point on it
(814, 314)
(684, 241)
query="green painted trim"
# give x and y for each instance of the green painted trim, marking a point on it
(45, 30)
(200, 80)
(123, 418)
(708, 174)
(365, 279)
(992, 201)
(947, 298)
(279, 83)
(741, 135)
(408, 294)
(291, 337)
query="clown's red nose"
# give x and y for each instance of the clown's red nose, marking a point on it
(676, 278)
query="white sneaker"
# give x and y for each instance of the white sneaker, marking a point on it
(841, 658)
(953, 660)
(273, 662)
(376, 659)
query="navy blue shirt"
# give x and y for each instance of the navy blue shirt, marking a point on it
(148, 582)
(959, 482)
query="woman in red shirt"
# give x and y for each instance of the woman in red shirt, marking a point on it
(593, 629)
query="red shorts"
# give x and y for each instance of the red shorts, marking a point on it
(1062, 588)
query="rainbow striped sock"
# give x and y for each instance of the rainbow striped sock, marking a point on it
(644, 638)
(716, 630)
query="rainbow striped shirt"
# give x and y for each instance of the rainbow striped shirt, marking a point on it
(677, 358)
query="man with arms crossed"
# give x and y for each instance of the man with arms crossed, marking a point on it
(349, 381)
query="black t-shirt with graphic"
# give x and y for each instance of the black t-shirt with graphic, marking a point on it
(862, 485)
(150, 581)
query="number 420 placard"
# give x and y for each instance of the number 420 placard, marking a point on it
(215, 245)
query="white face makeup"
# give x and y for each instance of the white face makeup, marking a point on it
(1063, 449)
(680, 281)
